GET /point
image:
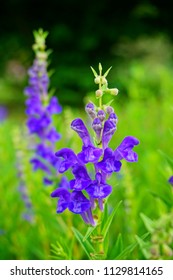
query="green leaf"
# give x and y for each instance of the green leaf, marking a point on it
(117, 248)
(94, 72)
(109, 103)
(149, 224)
(86, 245)
(88, 233)
(129, 249)
(166, 197)
(169, 160)
(144, 246)
(107, 72)
(109, 220)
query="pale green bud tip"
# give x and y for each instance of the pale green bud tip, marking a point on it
(99, 93)
(100, 67)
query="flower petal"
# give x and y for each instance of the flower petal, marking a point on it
(109, 164)
(69, 159)
(90, 154)
(79, 126)
(125, 151)
(64, 199)
(98, 190)
(82, 178)
(79, 203)
(108, 131)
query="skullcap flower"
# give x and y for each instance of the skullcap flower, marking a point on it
(125, 149)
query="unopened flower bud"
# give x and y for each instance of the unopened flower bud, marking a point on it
(97, 80)
(99, 93)
(155, 251)
(97, 126)
(167, 251)
(109, 110)
(113, 118)
(101, 115)
(90, 109)
(114, 91)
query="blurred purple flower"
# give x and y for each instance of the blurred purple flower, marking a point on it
(39, 110)
(3, 113)
(171, 180)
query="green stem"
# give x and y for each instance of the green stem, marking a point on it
(100, 102)
(97, 239)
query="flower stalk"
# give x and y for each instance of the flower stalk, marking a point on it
(85, 194)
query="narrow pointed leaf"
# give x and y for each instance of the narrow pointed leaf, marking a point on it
(169, 160)
(143, 246)
(149, 224)
(87, 247)
(117, 248)
(129, 249)
(88, 233)
(109, 220)
(107, 72)
(94, 72)
(166, 197)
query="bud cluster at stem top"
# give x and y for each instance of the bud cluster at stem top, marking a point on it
(103, 84)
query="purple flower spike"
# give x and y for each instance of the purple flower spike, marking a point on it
(171, 180)
(109, 164)
(90, 154)
(64, 199)
(98, 189)
(79, 203)
(97, 126)
(82, 178)
(108, 131)
(125, 151)
(69, 159)
(79, 126)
